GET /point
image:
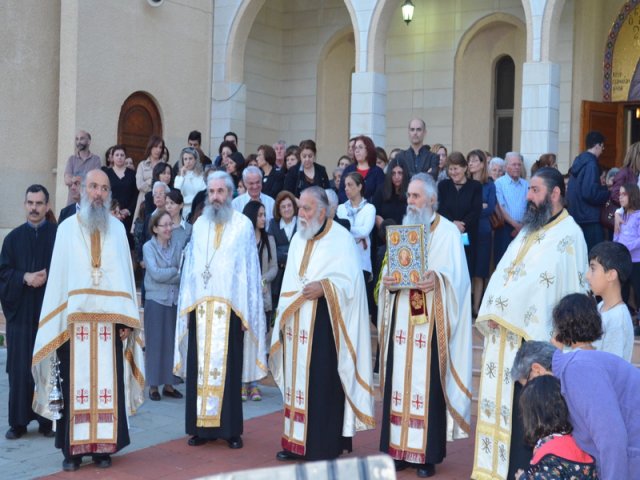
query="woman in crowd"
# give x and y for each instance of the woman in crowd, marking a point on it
(282, 227)
(162, 283)
(381, 159)
(362, 216)
(545, 417)
(189, 181)
(162, 172)
(291, 158)
(344, 161)
(480, 269)
(545, 160)
(269, 269)
(272, 179)
(365, 164)
(334, 183)
(225, 149)
(235, 165)
(628, 173)
(108, 157)
(153, 154)
(442, 153)
(496, 168)
(627, 232)
(174, 205)
(460, 200)
(394, 153)
(123, 187)
(309, 174)
(390, 200)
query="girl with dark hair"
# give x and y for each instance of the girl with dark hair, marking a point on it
(123, 187)
(390, 199)
(272, 179)
(547, 428)
(266, 245)
(291, 158)
(627, 232)
(364, 152)
(309, 173)
(224, 153)
(174, 205)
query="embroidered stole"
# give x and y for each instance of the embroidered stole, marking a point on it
(212, 334)
(93, 413)
(409, 403)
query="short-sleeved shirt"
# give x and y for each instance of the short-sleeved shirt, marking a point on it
(512, 196)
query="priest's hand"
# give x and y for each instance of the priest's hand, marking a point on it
(312, 291)
(390, 282)
(124, 333)
(427, 283)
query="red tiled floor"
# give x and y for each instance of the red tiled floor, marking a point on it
(175, 459)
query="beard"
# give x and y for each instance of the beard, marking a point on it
(537, 216)
(218, 212)
(419, 216)
(308, 228)
(95, 215)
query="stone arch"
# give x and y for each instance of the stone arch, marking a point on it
(380, 22)
(550, 26)
(475, 70)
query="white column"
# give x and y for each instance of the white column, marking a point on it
(228, 113)
(540, 110)
(369, 106)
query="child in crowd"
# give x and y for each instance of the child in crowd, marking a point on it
(547, 428)
(609, 268)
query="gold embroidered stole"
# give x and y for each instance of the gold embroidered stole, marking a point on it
(93, 414)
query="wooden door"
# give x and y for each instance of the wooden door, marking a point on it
(608, 119)
(139, 119)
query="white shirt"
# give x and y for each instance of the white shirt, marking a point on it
(617, 331)
(360, 230)
(189, 186)
(240, 201)
(288, 227)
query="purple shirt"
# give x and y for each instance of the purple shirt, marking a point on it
(602, 392)
(629, 234)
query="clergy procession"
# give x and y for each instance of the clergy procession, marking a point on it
(358, 296)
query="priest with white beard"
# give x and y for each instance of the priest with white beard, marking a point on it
(544, 263)
(90, 319)
(219, 310)
(320, 353)
(425, 343)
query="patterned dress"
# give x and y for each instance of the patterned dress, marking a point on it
(558, 457)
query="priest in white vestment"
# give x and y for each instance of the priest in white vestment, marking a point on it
(220, 303)
(425, 343)
(90, 322)
(545, 262)
(320, 353)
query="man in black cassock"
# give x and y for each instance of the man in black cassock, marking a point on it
(24, 263)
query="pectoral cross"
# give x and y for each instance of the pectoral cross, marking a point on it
(96, 275)
(206, 276)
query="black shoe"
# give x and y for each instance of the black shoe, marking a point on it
(15, 433)
(285, 455)
(400, 465)
(426, 470)
(71, 464)
(171, 393)
(196, 441)
(154, 395)
(235, 442)
(47, 432)
(102, 461)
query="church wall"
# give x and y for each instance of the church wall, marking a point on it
(29, 99)
(562, 53)
(419, 63)
(126, 46)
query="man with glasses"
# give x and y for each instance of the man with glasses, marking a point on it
(585, 194)
(89, 322)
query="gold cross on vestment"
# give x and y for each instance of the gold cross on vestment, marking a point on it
(215, 374)
(219, 312)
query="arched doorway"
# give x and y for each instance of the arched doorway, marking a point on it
(139, 119)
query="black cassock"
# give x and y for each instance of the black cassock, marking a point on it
(25, 249)
(231, 414)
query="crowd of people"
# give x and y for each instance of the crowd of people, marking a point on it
(264, 263)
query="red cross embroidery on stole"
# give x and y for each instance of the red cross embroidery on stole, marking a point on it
(400, 337)
(289, 334)
(81, 333)
(105, 334)
(288, 394)
(417, 402)
(105, 395)
(303, 337)
(299, 397)
(82, 396)
(397, 398)
(421, 340)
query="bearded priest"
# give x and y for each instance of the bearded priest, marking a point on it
(425, 343)
(90, 320)
(320, 353)
(220, 303)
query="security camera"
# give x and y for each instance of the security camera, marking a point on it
(155, 3)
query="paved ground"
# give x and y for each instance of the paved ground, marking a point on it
(159, 449)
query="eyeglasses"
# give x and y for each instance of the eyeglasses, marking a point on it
(165, 225)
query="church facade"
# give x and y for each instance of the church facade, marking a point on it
(525, 75)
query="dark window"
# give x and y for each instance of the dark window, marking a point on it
(505, 74)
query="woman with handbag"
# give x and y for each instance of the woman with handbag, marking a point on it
(478, 170)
